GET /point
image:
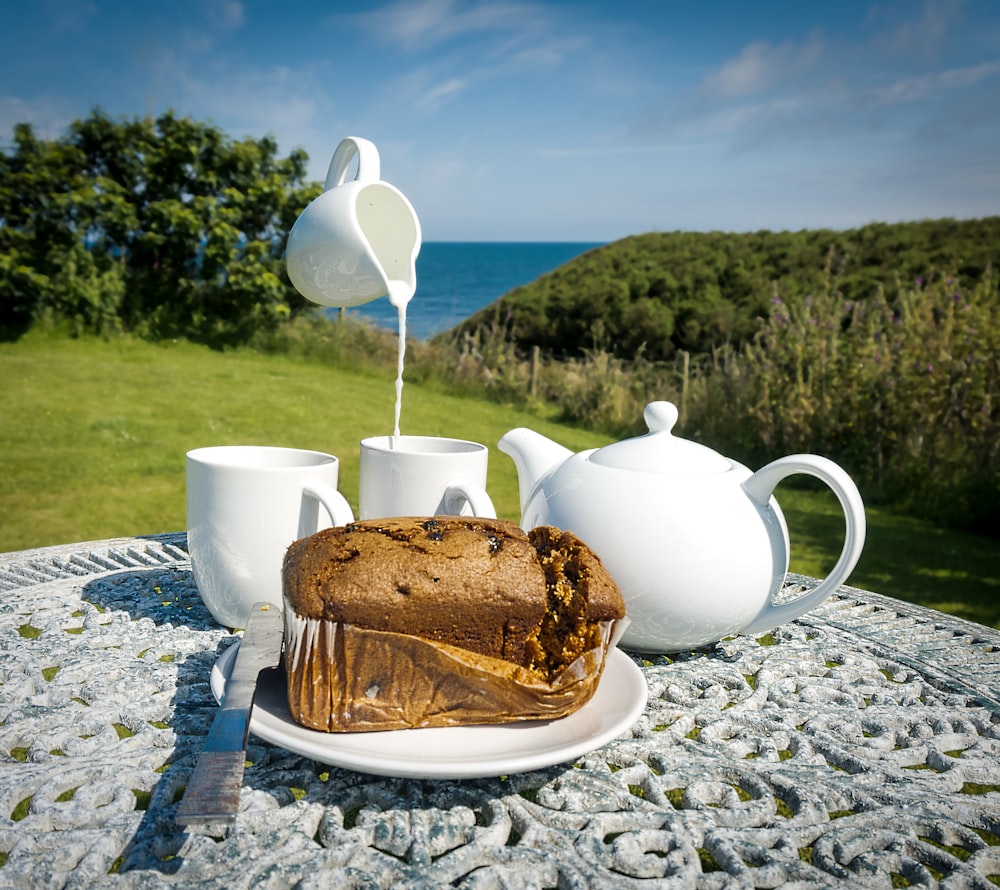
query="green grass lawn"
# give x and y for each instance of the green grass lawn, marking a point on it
(93, 436)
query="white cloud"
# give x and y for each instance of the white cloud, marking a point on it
(743, 119)
(922, 34)
(548, 53)
(418, 25)
(447, 88)
(72, 16)
(48, 117)
(252, 101)
(761, 66)
(915, 89)
(445, 76)
(818, 91)
(622, 149)
(231, 14)
(443, 92)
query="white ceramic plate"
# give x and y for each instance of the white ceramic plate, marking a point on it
(460, 752)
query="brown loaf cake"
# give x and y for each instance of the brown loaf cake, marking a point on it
(442, 621)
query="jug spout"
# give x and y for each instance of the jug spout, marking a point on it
(534, 456)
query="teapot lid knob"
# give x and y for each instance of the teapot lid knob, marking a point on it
(659, 451)
(660, 417)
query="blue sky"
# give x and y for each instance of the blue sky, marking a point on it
(561, 121)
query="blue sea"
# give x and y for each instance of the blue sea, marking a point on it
(457, 279)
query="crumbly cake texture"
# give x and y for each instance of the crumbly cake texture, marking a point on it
(443, 621)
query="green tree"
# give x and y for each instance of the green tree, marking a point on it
(164, 227)
(37, 182)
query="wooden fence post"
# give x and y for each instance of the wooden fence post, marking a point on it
(685, 374)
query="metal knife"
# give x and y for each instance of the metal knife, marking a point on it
(213, 791)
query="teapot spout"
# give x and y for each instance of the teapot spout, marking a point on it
(534, 456)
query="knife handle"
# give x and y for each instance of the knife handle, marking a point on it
(213, 790)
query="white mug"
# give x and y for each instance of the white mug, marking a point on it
(423, 476)
(359, 239)
(245, 505)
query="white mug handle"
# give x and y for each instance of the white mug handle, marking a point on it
(760, 487)
(369, 165)
(334, 502)
(458, 493)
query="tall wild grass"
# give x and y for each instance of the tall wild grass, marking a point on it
(902, 388)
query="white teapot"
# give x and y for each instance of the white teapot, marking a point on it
(695, 541)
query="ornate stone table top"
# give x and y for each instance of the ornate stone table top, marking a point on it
(857, 746)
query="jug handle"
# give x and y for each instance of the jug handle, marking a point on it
(369, 165)
(761, 485)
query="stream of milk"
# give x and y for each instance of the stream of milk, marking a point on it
(400, 293)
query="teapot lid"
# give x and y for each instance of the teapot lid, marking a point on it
(659, 451)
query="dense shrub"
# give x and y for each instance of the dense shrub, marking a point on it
(695, 291)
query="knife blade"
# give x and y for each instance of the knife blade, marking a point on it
(213, 791)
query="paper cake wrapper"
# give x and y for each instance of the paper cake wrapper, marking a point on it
(343, 678)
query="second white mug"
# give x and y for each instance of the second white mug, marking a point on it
(423, 476)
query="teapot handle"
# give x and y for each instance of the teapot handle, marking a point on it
(761, 485)
(369, 165)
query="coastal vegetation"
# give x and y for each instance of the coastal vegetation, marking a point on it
(878, 347)
(663, 292)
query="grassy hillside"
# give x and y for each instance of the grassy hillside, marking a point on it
(660, 292)
(94, 434)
